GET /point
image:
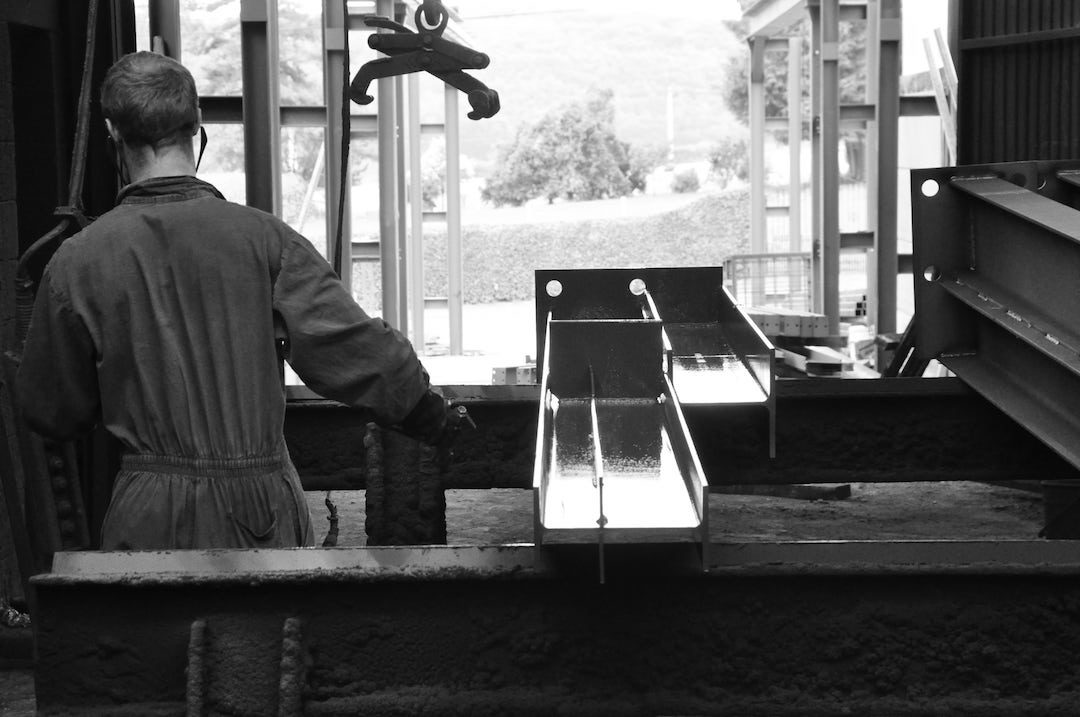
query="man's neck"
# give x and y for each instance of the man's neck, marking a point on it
(145, 163)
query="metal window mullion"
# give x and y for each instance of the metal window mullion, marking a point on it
(334, 38)
(388, 219)
(401, 239)
(453, 221)
(794, 77)
(400, 119)
(416, 216)
(829, 169)
(165, 24)
(262, 128)
(871, 164)
(814, 10)
(888, 131)
(758, 226)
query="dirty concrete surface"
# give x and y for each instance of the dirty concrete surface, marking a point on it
(891, 511)
(16, 693)
(874, 511)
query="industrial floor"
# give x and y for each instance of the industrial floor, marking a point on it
(897, 511)
(874, 511)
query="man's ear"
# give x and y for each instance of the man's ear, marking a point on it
(198, 121)
(113, 132)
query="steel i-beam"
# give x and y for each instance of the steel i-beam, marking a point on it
(997, 256)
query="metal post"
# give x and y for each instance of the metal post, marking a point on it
(416, 217)
(814, 10)
(262, 121)
(758, 226)
(829, 125)
(873, 97)
(888, 127)
(453, 221)
(165, 24)
(335, 35)
(388, 235)
(794, 77)
(873, 64)
(402, 229)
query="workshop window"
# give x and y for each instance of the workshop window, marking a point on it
(303, 176)
(223, 161)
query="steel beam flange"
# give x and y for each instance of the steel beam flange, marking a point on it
(997, 277)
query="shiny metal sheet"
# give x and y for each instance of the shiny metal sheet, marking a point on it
(643, 481)
(706, 368)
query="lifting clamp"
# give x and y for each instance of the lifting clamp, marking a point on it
(425, 50)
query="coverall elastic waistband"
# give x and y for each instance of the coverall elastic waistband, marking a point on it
(209, 467)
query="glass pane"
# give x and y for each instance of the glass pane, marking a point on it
(364, 183)
(223, 162)
(303, 182)
(210, 37)
(367, 286)
(142, 24)
(300, 52)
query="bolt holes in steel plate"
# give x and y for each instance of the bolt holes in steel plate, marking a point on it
(554, 288)
(931, 273)
(930, 188)
(637, 287)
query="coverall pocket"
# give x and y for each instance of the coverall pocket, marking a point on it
(253, 535)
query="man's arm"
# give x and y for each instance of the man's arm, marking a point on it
(342, 353)
(57, 386)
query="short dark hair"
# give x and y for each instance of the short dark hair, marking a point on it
(150, 99)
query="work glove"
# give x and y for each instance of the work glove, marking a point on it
(427, 421)
(435, 423)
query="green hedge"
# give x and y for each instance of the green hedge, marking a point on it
(499, 259)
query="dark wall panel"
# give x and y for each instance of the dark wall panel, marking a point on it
(1019, 66)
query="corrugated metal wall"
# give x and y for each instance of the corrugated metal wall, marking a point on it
(1019, 66)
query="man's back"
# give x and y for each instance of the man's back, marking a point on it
(175, 288)
(160, 318)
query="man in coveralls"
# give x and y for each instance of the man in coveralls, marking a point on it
(159, 320)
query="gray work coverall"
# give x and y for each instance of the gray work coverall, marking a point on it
(158, 320)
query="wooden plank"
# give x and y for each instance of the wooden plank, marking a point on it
(948, 120)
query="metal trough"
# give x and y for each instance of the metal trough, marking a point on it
(620, 350)
(614, 462)
(713, 352)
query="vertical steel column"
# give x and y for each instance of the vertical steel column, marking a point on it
(416, 217)
(873, 96)
(165, 24)
(335, 35)
(453, 220)
(829, 175)
(814, 10)
(758, 226)
(888, 128)
(794, 78)
(388, 217)
(262, 121)
(402, 229)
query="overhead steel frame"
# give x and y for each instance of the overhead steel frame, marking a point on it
(879, 116)
(398, 251)
(401, 212)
